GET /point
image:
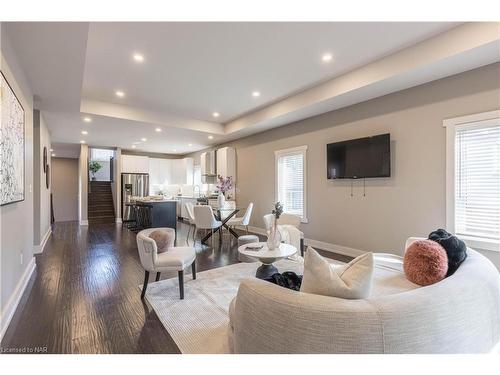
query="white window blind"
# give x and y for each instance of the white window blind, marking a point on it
(290, 178)
(477, 181)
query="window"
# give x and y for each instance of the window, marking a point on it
(473, 179)
(291, 180)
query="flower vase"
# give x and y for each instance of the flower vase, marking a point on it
(273, 237)
(221, 200)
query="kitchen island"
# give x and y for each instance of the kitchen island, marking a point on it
(163, 212)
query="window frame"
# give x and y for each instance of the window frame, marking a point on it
(288, 152)
(452, 125)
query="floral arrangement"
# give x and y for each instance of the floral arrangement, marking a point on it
(278, 210)
(225, 184)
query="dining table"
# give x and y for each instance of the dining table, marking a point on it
(223, 214)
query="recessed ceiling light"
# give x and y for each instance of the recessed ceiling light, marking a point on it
(210, 137)
(138, 57)
(84, 132)
(174, 150)
(51, 150)
(133, 146)
(216, 114)
(87, 119)
(256, 94)
(53, 155)
(144, 139)
(190, 144)
(119, 93)
(327, 57)
(82, 141)
(158, 130)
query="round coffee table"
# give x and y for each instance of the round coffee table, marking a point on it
(267, 257)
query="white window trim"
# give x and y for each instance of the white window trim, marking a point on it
(452, 125)
(292, 151)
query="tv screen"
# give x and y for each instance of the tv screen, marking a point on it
(360, 158)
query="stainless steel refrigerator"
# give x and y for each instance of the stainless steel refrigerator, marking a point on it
(133, 185)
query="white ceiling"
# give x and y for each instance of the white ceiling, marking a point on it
(193, 69)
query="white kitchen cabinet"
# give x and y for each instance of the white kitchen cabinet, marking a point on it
(135, 164)
(160, 174)
(226, 162)
(182, 171)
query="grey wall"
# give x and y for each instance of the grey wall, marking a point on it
(65, 188)
(16, 238)
(41, 194)
(411, 202)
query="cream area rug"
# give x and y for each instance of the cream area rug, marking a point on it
(198, 324)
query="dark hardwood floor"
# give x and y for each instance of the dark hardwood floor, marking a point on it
(84, 298)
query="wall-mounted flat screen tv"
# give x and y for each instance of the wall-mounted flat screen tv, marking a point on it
(360, 158)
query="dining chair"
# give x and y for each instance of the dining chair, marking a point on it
(192, 225)
(242, 221)
(204, 219)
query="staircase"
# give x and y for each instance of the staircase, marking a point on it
(100, 203)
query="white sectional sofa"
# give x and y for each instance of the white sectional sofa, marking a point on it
(460, 314)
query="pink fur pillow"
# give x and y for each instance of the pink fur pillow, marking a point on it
(162, 239)
(425, 262)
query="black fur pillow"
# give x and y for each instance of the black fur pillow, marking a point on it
(287, 279)
(455, 248)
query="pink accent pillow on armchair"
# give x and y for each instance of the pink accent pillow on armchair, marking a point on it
(425, 262)
(162, 239)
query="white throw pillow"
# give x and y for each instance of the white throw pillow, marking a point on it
(351, 281)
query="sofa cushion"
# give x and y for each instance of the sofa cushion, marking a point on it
(350, 281)
(425, 262)
(455, 248)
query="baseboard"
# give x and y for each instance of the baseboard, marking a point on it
(11, 306)
(118, 220)
(339, 249)
(84, 222)
(38, 249)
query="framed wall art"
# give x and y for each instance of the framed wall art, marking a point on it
(12, 144)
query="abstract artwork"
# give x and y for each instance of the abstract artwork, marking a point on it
(11, 145)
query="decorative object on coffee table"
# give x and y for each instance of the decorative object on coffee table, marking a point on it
(260, 251)
(273, 234)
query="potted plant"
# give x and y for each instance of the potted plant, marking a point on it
(94, 167)
(224, 185)
(273, 235)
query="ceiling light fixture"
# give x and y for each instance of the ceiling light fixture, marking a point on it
(216, 114)
(84, 132)
(190, 144)
(53, 155)
(133, 146)
(119, 93)
(144, 139)
(158, 130)
(175, 150)
(138, 57)
(210, 137)
(256, 94)
(82, 141)
(51, 150)
(327, 57)
(87, 119)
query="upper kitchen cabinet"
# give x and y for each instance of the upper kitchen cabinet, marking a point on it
(135, 164)
(182, 171)
(226, 162)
